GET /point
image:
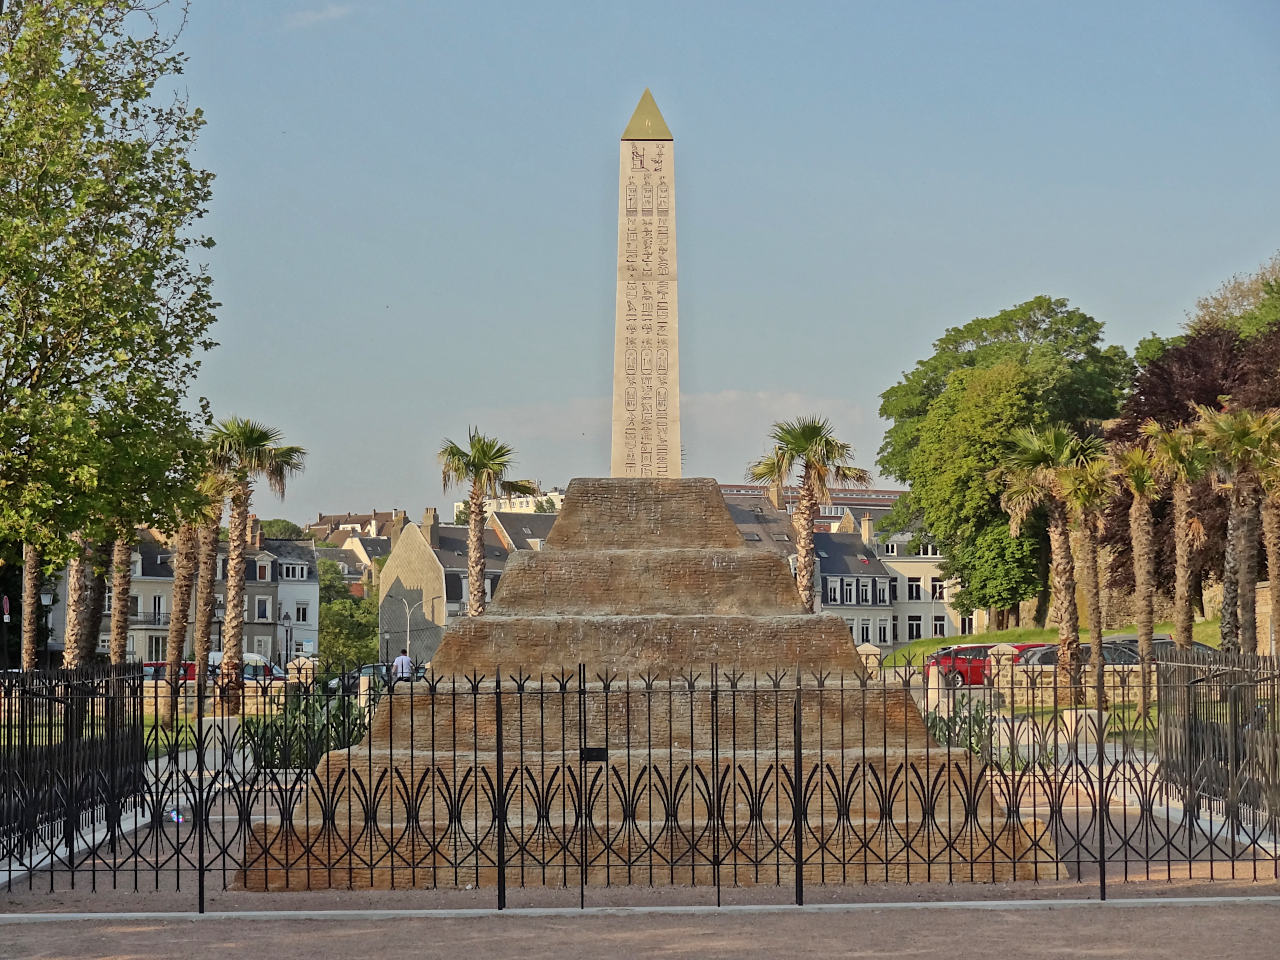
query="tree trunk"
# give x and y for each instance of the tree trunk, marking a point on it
(231, 671)
(30, 605)
(475, 553)
(1183, 616)
(1044, 598)
(77, 603)
(1087, 564)
(1247, 568)
(206, 584)
(121, 590)
(1271, 536)
(802, 520)
(1229, 624)
(1142, 537)
(1063, 583)
(184, 567)
(97, 597)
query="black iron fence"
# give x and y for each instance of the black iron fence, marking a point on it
(581, 779)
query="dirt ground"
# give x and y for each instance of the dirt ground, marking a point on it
(1141, 931)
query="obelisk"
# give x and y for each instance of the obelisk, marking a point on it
(646, 359)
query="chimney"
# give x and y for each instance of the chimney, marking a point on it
(255, 532)
(775, 498)
(431, 526)
(868, 533)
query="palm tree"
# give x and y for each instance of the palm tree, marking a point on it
(1242, 444)
(245, 451)
(1087, 489)
(1032, 471)
(1180, 460)
(183, 562)
(31, 577)
(1137, 471)
(121, 588)
(810, 445)
(483, 463)
(75, 646)
(214, 486)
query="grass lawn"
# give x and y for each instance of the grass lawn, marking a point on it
(916, 651)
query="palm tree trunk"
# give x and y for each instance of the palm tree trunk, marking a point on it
(231, 672)
(806, 507)
(1271, 537)
(1063, 583)
(77, 602)
(1183, 618)
(1247, 558)
(184, 567)
(97, 598)
(1142, 538)
(30, 604)
(1229, 624)
(121, 589)
(206, 584)
(475, 552)
(1087, 564)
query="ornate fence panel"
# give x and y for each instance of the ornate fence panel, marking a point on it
(583, 779)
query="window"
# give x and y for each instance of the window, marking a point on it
(937, 589)
(133, 606)
(155, 646)
(847, 594)
(882, 593)
(864, 591)
(751, 536)
(940, 626)
(865, 633)
(913, 589)
(781, 537)
(222, 568)
(293, 571)
(890, 549)
(895, 629)
(262, 646)
(301, 614)
(833, 589)
(263, 608)
(913, 628)
(264, 572)
(893, 590)
(882, 631)
(928, 550)
(966, 626)
(298, 647)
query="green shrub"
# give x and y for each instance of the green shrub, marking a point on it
(307, 728)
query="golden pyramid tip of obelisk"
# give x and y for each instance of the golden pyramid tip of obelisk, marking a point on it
(647, 123)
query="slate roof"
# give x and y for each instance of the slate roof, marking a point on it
(375, 546)
(452, 552)
(338, 555)
(762, 525)
(523, 527)
(845, 554)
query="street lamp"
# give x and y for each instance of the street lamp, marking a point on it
(288, 637)
(46, 602)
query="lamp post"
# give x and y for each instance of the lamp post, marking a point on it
(46, 601)
(288, 637)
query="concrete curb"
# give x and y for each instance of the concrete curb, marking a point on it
(520, 912)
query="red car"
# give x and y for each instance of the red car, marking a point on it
(969, 664)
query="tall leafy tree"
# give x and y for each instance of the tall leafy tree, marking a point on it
(246, 451)
(807, 445)
(484, 464)
(1038, 362)
(1033, 470)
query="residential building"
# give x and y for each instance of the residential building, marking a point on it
(521, 531)
(335, 528)
(281, 607)
(517, 504)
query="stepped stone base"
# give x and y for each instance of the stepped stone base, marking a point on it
(648, 774)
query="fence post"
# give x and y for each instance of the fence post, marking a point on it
(500, 794)
(715, 778)
(1101, 807)
(199, 818)
(582, 786)
(797, 799)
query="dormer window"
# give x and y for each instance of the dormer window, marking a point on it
(295, 571)
(264, 571)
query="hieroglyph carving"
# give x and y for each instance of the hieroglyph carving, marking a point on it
(646, 390)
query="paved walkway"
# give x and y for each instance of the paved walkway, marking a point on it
(1242, 930)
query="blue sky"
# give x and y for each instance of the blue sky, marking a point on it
(415, 206)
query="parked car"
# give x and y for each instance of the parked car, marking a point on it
(257, 668)
(159, 670)
(349, 682)
(969, 664)
(1161, 644)
(1112, 653)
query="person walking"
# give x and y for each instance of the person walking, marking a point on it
(402, 668)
